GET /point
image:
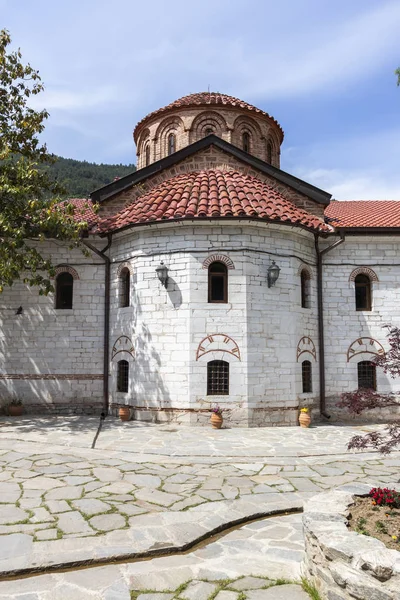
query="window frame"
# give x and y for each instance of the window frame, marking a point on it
(125, 288)
(147, 155)
(211, 276)
(59, 303)
(171, 147)
(123, 376)
(306, 377)
(363, 285)
(372, 375)
(222, 377)
(305, 284)
(246, 142)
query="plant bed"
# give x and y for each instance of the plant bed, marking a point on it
(378, 516)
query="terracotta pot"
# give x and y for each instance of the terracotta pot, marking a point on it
(124, 413)
(216, 421)
(15, 410)
(304, 419)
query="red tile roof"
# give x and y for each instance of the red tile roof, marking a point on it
(83, 210)
(364, 213)
(205, 99)
(211, 194)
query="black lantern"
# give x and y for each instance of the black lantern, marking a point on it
(272, 274)
(162, 274)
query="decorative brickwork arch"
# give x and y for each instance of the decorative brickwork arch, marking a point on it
(218, 342)
(66, 269)
(363, 271)
(124, 265)
(365, 345)
(218, 258)
(172, 125)
(123, 344)
(306, 345)
(246, 125)
(305, 268)
(205, 121)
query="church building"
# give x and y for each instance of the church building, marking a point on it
(214, 278)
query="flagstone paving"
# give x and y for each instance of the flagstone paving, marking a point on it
(149, 488)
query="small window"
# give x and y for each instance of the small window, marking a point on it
(147, 155)
(246, 141)
(366, 375)
(124, 287)
(123, 376)
(64, 290)
(209, 131)
(217, 378)
(269, 153)
(305, 289)
(306, 372)
(217, 282)
(171, 144)
(363, 292)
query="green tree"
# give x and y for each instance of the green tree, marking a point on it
(27, 216)
(397, 72)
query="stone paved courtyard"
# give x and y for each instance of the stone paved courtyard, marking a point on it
(148, 490)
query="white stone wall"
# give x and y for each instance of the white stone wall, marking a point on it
(49, 358)
(344, 325)
(167, 327)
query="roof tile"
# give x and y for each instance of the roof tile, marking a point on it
(364, 213)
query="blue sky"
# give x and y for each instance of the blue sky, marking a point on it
(323, 69)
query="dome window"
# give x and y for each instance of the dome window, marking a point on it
(209, 131)
(246, 141)
(147, 155)
(171, 144)
(269, 153)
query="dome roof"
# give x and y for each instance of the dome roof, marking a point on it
(212, 194)
(205, 99)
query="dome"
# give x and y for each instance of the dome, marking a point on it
(212, 194)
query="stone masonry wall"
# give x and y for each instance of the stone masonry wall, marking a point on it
(168, 336)
(352, 336)
(52, 359)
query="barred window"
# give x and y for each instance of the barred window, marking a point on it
(171, 144)
(217, 282)
(124, 287)
(122, 376)
(64, 290)
(305, 289)
(366, 375)
(306, 372)
(363, 292)
(246, 141)
(217, 378)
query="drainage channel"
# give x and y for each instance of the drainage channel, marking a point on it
(200, 542)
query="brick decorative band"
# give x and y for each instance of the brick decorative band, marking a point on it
(49, 376)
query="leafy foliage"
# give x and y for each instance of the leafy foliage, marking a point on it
(363, 399)
(26, 214)
(80, 178)
(397, 72)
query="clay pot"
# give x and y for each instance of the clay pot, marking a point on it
(124, 413)
(304, 419)
(216, 421)
(15, 410)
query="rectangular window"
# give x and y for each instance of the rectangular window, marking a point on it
(306, 376)
(366, 375)
(123, 376)
(217, 378)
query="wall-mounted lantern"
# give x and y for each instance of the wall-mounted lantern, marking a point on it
(272, 274)
(162, 274)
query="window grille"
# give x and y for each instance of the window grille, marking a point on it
(64, 290)
(363, 292)
(366, 375)
(217, 378)
(217, 282)
(124, 282)
(306, 371)
(123, 376)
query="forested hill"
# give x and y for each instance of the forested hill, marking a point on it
(80, 178)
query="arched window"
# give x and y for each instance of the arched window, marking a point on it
(269, 153)
(217, 378)
(124, 287)
(171, 143)
(363, 292)
(217, 282)
(366, 375)
(147, 155)
(208, 131)
(306, 373)
(123, 376)
(246, 141)
(305, 288)
(64, 290)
